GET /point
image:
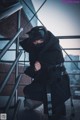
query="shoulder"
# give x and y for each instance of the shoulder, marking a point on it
(52, 37)
(51, 40)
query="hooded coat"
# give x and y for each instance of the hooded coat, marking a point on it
(49, 55)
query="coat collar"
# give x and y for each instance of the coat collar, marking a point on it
(51, 41)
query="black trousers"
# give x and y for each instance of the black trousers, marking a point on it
(36, 91)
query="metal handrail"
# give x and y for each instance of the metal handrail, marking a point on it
(17, 50)
(71, 48)
(6, 13)
(10, 61)
(10, 10)
(59, 37)
(10, 43)
(9, 73)
(12, 94)
(68, 37)
(63, 48)
(16, 109)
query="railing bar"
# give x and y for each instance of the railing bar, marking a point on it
(11, 50)
(59, 37)
(70, 58)
(12, 61)
(11, 10)
(71, 48)
(10, 43)
(72, 61)
(63, 48)
(68, 37)
(9, 73)
(16, 110)
(17, 49)
(34, 14)
(12, 94)
(28, 61)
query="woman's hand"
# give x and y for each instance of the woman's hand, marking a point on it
(37, 66)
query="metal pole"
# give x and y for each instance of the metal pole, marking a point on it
(12, 94)
(69, 37)
(34, 14)
(10, 43)
(16, 110)
(17, 50)
(11, 10)
(9, 73)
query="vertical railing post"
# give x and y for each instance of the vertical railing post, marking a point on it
(17, 50)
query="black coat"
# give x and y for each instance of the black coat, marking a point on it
(49, 56)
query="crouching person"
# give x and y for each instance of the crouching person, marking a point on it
(47, 69)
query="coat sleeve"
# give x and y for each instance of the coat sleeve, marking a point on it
(30, 71)
(25, 44)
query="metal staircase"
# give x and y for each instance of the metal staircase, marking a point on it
(8, 12)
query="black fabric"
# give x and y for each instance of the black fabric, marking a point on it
(36, 36)
(60, 91)
(34, 91)
(26, 45)
(36, 33)
(60, 110)
(30, 71)
(48, 56)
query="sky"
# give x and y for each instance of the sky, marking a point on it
(61, 18)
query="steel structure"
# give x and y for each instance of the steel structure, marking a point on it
(8, 12)
(5, 14)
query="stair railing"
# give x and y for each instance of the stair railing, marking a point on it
(6, 13)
